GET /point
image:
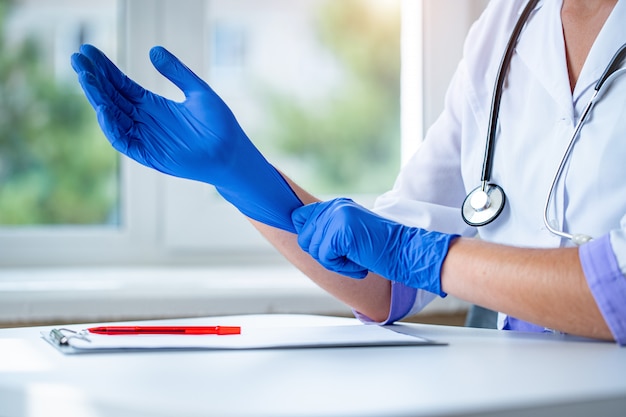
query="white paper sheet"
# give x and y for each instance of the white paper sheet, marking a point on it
(252, 338)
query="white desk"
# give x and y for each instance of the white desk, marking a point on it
(480, 373)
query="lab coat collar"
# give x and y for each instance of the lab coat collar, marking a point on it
(542, 48)
(609, 40)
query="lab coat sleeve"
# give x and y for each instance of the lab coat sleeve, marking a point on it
(606, 280)
(405, 301)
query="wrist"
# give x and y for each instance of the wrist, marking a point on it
(424, 253)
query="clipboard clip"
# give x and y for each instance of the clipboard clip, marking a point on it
(62, 336)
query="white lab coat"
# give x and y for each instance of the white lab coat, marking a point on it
(537, 117)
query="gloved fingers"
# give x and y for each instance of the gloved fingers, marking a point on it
(304, 220)
(80, 63)
(103, 66)
(101, 91)
(175, 71)
(108, 123)
(320, 241)
(117, 127)
(334, 251)
(341, 264)
(93, 90)
(87, 77)
(98, 97)
(300, 215)
(323, 246)
(127, 142)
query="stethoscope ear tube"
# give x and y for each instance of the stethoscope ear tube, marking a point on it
(483, 204)
(497, 95)
(613, 66)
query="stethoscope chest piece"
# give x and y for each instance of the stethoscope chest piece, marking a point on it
(483, 204)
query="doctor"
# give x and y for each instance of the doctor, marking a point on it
(389, 263)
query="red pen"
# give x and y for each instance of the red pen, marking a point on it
(121, 330)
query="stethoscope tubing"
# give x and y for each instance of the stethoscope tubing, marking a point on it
(613, 66)
(487, 217)
(497, 95)
(577, 238)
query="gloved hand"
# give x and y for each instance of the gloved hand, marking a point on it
(197, 139)
(347, 238)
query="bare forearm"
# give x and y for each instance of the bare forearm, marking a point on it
(370, 296)
(542, 286)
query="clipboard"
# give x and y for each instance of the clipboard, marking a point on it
(79, 341)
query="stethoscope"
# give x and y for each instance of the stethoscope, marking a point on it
(485, 203)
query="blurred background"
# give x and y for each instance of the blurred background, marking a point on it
(335, 93)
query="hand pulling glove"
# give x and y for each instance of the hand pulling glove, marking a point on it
(197, 139)
(347, 238)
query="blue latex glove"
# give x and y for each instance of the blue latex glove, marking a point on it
(197, 139)
(347, 238)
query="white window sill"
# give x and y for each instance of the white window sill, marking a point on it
(55, 295)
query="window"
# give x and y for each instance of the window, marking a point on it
(54, 167)
(315, 84)
(306, 80)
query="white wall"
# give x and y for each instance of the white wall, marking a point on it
(444, 33)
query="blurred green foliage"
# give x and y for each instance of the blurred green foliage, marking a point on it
(350, 140)
(55, 166)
